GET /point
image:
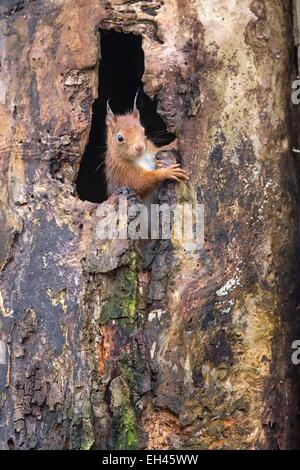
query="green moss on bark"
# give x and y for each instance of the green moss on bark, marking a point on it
(127, 432)
(121, 303)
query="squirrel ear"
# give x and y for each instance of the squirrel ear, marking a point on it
(135, 110)
(110, 117)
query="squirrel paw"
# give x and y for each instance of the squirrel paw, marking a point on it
(175, 173)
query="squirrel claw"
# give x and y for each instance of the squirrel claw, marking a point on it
(175, 173)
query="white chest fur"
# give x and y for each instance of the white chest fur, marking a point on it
(147, 161)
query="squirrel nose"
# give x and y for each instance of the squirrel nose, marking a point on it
(139, 148)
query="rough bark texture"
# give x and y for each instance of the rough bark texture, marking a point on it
(296, 6)
(107, 346)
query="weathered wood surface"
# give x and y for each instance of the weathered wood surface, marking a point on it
(193, 349)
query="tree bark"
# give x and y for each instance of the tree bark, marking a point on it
(101, 346)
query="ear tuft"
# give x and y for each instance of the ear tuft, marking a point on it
(136, 113)
(110, 117)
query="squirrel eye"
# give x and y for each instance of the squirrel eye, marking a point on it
(120, 138)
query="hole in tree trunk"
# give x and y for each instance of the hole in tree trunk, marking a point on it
(120, 76)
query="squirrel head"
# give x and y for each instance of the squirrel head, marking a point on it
(125, 134)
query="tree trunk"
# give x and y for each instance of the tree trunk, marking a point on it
(103, 346)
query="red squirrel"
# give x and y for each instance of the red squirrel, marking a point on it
(130, 156)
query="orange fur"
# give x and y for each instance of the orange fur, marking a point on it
(121, 157)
